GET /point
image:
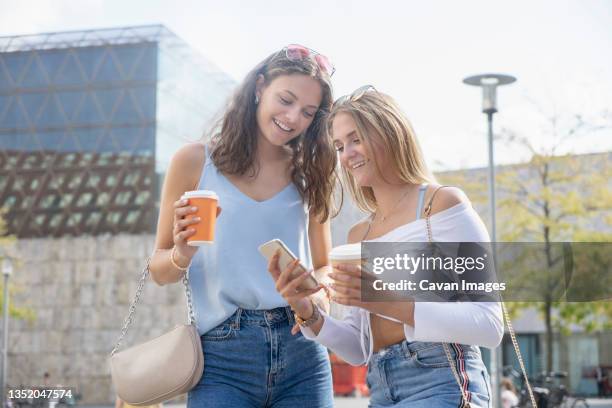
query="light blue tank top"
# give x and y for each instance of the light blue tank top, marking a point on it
(231, 273)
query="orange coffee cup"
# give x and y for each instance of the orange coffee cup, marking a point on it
(206, 201)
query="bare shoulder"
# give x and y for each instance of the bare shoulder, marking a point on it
(357, 231)
(187, 163)
(190, 154)
(445, 198)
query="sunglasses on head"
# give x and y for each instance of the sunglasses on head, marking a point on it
(355, 95)
(296, 52)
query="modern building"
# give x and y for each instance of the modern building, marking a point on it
(88, 121)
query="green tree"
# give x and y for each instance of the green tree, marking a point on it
(6, 244)
(554, 199)
(551, 198)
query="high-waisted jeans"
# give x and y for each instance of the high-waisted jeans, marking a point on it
(418, 375)
(252, 360)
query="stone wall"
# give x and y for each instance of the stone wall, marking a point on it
(79, 290)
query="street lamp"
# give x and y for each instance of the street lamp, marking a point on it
(489, 84)
(7, 270)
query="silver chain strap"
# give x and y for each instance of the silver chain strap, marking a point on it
(129, 319)
(519, 355)
(465, 402)
(192, 319)
(506, 318)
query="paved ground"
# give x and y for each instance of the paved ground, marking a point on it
(600, 403)
(357, 402)
(339, 402)
(350, 402)
(342, 402)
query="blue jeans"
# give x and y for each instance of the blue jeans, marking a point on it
(418, 375)
(252, 360)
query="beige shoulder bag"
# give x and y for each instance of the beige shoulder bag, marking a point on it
(159, 369)
(466, 402)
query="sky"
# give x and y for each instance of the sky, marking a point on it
(418, 52)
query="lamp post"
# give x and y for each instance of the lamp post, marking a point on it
(7, 270)
(489, 84)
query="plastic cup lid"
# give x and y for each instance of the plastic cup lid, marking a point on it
(346, 252)
(201, 194)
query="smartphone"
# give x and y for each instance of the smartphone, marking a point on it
(286, 257)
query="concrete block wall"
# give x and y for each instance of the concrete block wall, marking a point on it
(79, 290)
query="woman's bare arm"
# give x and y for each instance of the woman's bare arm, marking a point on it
(183, 175)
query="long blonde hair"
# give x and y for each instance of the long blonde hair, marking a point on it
(380, 121)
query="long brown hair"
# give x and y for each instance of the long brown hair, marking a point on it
(380, 121)
(313, 157)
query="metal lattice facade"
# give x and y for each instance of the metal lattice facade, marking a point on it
(87, 123)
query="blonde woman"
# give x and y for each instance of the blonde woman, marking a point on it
(402, 342)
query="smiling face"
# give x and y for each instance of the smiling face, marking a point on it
(287, 106)
(376, 147)
(355, 156)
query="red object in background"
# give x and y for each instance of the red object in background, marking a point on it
(607, 385)
(348, 379)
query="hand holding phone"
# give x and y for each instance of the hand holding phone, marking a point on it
(286, 257)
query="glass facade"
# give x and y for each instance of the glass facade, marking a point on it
(88, 122)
